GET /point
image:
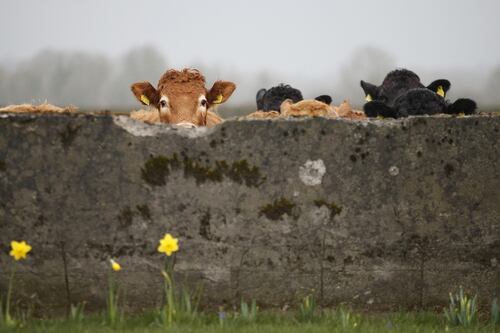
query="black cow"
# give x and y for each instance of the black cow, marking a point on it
(270, 100)
(402, 94)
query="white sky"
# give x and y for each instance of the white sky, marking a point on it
(304, 37)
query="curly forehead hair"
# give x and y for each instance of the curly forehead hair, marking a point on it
(401, 75)
(173, 76)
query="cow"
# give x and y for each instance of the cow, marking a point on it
(181, 98)
(286, 101)
(307, 108)
(40, 108)
(271, 99)
(402, 94)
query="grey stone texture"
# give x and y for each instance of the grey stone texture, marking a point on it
(378, 214)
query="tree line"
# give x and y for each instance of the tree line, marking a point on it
(94, 81)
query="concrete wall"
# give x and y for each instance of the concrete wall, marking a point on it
(379, 214)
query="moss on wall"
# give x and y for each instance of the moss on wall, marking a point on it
(332, 207)
(157, 169)
(278, 208)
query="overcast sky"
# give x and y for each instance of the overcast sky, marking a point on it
(306, 37)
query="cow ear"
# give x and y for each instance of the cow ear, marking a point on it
(260, 98)
(145, 93)
(220, 92)
(462, 105)
(325, 99)
(371, 91)
(440, 87)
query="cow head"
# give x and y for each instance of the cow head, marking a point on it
(181, 96)
(402, 94)
(399, 82)
(308, 108)
(271, 99)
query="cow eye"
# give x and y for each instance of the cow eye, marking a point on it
(163, 103)
(203, 102)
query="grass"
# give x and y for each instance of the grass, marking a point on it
(272, 322)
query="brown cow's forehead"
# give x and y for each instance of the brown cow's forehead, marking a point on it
(172, 90)
(187, 81)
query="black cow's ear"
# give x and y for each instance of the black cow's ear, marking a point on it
(371, 91)
(260, 99)
(325, 99)
(440, 87)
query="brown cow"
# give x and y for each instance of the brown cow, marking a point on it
(41, 108)
(310, 108)
(182, 99)
(285, 101)
(307, 108)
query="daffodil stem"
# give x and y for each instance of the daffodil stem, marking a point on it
(170, 297)
(169, 269)
(9, 292)
(112, 300)
(169, 265)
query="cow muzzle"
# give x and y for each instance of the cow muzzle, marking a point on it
(186, 125)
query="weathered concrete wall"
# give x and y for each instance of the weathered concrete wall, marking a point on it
(380, 214)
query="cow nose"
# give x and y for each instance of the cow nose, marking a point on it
(186, 125)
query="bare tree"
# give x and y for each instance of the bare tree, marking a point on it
(367, 63)
(3, 85)
(491, 96)
(57, 77)
(140, 64)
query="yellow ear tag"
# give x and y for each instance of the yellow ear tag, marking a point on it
(144, 99)
(369, 98)
(218, 100)
(440, 91)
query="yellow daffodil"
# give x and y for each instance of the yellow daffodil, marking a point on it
(168, 245)
(115, 266)
(19, 250)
